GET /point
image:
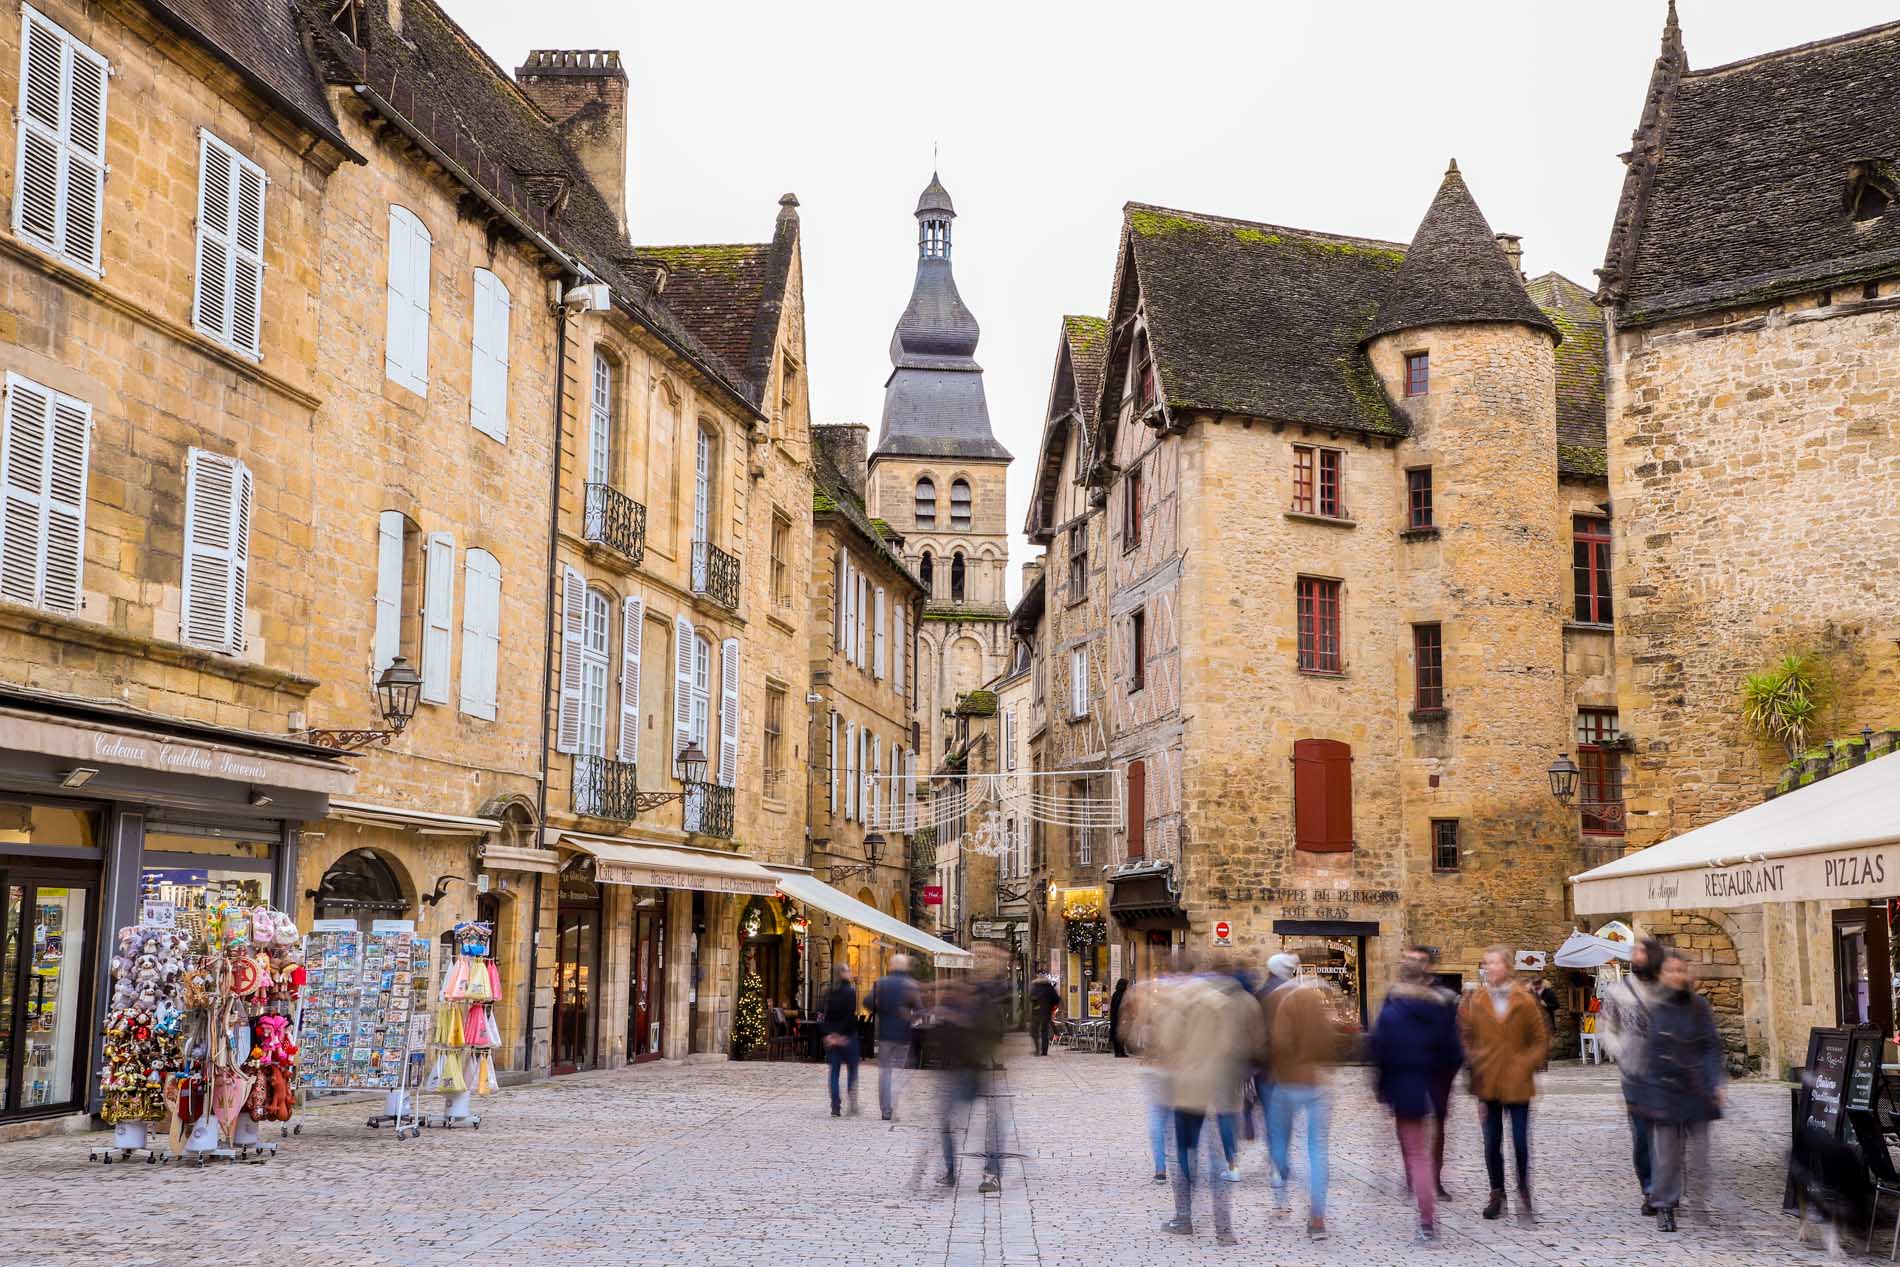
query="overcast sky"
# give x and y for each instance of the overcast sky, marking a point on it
(1320, 114)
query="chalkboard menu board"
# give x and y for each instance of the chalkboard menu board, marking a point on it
(1826, 1077)
(1863, 1070)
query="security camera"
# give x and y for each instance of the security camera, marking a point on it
(593, 297)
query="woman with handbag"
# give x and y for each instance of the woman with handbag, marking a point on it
(1680, 1089)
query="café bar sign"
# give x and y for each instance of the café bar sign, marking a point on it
(1853, 873)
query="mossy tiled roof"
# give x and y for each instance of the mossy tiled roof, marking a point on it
(1580, 365)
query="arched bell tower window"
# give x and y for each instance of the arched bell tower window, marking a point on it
(956, 577)
(927, 573)
(926, 503)
(960, 504)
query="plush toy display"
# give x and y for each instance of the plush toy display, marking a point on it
(142, 1029)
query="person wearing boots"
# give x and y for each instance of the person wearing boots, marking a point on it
(1681, 1089)
(1623, 1025)
(1415, 1044)
(1506, 1043)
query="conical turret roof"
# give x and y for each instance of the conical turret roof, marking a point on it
(1455, 271)
(935, 199)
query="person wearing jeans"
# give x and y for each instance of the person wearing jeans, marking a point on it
(840, 1021)
(1304, 1042)
(1506, 1043)
(1623, 1026)
(1413, 1047)
(895, 1002)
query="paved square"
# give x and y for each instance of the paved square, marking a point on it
(741, 1164)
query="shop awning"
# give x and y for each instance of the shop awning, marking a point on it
(423, 822)
(1838, 838)
(1582, 950)
(671, 866)
(812, 891)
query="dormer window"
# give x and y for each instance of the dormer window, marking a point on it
(1873, 185)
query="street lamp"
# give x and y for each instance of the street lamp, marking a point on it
(1563, 778)
(397, 690)
(689, 768)
(873, 850)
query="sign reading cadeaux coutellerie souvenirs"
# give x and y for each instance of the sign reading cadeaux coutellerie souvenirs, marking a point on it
(184, 758)
(1854, 873)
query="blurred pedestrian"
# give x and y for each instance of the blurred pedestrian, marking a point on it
(1044, 1002)
(969, 1024)
(840, 1027)
(1414, 1045)
(1623, 1027)
(1681, 1089)
(1115, 1017)
(1426, 960)
(1142, 1018)
(1304, 1043)
(1281, 970)
(895, 1002)
(1506, 1044)
(1210, 1033)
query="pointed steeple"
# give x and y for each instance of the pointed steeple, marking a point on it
(1645, 147)
(1455, 271)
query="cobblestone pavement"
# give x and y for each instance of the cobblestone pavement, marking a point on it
(742, 1164)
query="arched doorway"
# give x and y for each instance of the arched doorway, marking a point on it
(361, 886)
(764, 947)
(576, 967)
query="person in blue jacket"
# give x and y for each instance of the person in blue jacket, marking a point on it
(1414, 1046)
(1681, 1088)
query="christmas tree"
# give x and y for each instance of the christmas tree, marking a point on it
(748, 1017)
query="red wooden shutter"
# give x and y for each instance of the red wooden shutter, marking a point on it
(1137, 809)
(1322, 796)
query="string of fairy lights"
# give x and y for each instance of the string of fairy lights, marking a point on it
(973, 810)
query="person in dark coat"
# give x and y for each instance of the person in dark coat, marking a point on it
(1044, 1003)
(895, 1002)
(1414, 1045)
(1681, 1088)
(1115, 1017)
(840, 1027)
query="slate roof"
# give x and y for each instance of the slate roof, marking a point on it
(1580, 365)
(715, 290)
(1262, 320)
(1081, 355)
(263, 42)
(1737, 178)
(1455, 271)
(1087, 338)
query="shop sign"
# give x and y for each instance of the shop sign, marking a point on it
(933, 895)
(392, 926)
(1529, 961)
(608, 872)
(332, 925)
(180, 757)
(1223, 933)
(158, 914)
(1857, 874)
(1334, 904)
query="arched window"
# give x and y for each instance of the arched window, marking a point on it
(960, 504)
(927, 573)
(362, 887)
(926, 503)
(598, 620)
(956, 577)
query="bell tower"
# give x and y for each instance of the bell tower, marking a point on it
(938, 477)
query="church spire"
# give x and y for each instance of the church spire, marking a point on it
(934, 214)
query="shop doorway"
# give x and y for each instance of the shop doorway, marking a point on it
(646, 1001)
(576, 967)
(1339, 960)
(763, 940)
(46, 966)
(1863, 992)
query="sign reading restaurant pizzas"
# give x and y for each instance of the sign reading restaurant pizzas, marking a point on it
(1853, 873)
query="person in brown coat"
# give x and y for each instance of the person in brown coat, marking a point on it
(1506, 1044)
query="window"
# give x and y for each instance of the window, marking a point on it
(1590, 557)
(844, 587)
(1418, 497)
(217, 551)
(956, 577)
(927, 574)
(1316, 481)
(1137, 810)
(600, 422)
(960, 504)
(692, 691)
(787, 394)
(703, 486)
(438, 608)
(230, 281)
(43, 464)
(1144, 375)
(632, 630)
(1131, 509)
(1445, 844)
(1078, 683)
(1322, 796)
(481, 633)
(900, 641)
(1319, 625)
(1600, 772)
(850, 770)
(406, 351)
(488, 365)
(781, 560)
(1428, 661)
(1078, 561)
(926, 510)
(59, 191)
(774, 737)
(598, 616)
(1137, 650)
(1418, 373)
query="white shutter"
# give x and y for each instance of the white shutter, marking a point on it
(389, 535)
(877, 783)
(729, 713)
(894, 791)
(839, 581)
(1009, 739)
(43, 464)
(59, 199)
(865, 748)
(406, 349)
(632, 616)
(682, 685)
(217, 551)
(230, 282)
(831, 760)
(481, 634)
(488, 366)
(850, 612)
(438, 610)
(879, 616)
(567, 736)
(850, 769)
(897, 644)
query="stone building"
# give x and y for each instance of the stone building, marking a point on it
(1752, 285)
(938, 476)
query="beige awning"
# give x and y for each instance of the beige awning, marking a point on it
(812, 891)
(422, 821)
(671, 866)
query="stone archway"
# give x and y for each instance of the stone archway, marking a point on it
(1709, 939)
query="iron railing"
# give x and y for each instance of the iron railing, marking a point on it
(605, 788)
(708, 810)
(715, 574)
(616, 521)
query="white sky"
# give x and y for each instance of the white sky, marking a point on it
(1323, 115)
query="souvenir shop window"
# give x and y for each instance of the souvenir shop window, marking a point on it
(23, 824)
(360, 886)
(196, 873)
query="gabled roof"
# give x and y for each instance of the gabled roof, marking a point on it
(1455, 271)
(715, 290)
(1580, 365)
(1739, 176)
(1074, 392)
(831, 494)
(263, 42)
(1087, 339)
(1259, 319)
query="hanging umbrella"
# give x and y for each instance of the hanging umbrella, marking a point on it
(1582, 950)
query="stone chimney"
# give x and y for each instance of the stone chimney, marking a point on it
(1513, 247)
(847, 445)
(1032, 572)
(584, 91)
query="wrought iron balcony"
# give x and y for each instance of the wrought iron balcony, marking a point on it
(715, 574)
(709, 810)
(604, 788)
(616, 521)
